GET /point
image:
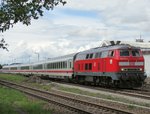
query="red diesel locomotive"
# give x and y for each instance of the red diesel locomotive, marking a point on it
(119, 65)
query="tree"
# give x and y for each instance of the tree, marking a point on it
(13, 11)
(3, 44)
(1, 66)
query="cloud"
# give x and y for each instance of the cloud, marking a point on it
(77, 26)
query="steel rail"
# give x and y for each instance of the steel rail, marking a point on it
(83, 102)
(134, 93)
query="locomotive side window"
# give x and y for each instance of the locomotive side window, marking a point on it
(98, 55)
(111, 53)
(135, 53)
(124, 53)
(104, 54)
(87, 56)
(91, 55)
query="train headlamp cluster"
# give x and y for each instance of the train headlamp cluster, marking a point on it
(131, 69)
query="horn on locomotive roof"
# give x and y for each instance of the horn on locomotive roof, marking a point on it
(112, 43)
(118, 42)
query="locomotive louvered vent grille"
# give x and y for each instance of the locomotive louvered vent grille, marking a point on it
(131, 69)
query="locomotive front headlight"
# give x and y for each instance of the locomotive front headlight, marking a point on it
(140, 69)
(122, 69)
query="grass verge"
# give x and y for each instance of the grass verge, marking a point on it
(13, 77)
(15, 102)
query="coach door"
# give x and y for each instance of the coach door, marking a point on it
(70, 64)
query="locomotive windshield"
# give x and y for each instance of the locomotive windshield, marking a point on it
(135, 53)
(126, 52)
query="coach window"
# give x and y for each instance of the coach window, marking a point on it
(62, 65)
(55, 65)
(37, 66)
(58, 65)
(65, 64)
(5, 68)
(49, 66)
(52, 65)
(13, 68)
(25, 68)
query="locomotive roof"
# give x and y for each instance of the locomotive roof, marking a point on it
(111, 47)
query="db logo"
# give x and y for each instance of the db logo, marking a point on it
(132, 63)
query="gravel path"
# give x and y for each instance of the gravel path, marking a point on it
(140, 100)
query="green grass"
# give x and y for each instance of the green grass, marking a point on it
(13, 77)
(15, 102)
(22, 79)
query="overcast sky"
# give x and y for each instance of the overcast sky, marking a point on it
(79, 25)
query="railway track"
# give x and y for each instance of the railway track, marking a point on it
(73, 104)
(136, 93)
(139, 93)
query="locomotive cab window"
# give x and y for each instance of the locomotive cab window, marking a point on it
(135, 53)
(124, 52)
